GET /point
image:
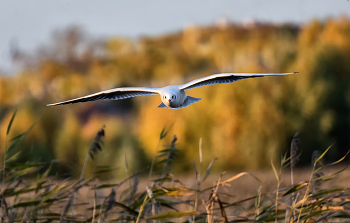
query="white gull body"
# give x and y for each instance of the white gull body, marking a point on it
(172, 96)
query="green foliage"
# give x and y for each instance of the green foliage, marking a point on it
(10, 124)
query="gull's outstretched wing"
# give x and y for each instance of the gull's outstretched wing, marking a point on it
(113, 94)
(224, 78)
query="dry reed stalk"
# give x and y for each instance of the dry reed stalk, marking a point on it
(110, 203)
(94, 203)
(95, 146)
(316, 182)
(200, 158)
(163, 134)
(211, 201)
(171, 155)
(196, 198)
(148, 195)
(206, 210)
(100, 214)
(276, 203)
(133, 186)
(257, 212)
(134, 189)
(5, 208)
(316, 164)
(278, 178)
(24, 219)
(148, 212)
(216, 197)
(152, 164)
(155, 209)
(198, 177)
(294, 159)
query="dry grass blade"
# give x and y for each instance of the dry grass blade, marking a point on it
(223, 213)
(110, 200)
(172, 215)
(207, 172)
(68, 205)
(296, 188)
(131, 211)
(340, 160)
(317, 159)
(238, 176)
(197, 176)
(126, 163)
(275, 172)
(317, 175)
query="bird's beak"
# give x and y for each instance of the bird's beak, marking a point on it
(169, 100)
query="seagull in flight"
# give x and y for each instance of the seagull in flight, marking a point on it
(172, 96)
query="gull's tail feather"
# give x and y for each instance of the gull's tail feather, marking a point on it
(188, 101)
(162, 105)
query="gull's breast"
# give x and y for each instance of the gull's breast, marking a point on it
(173, 90)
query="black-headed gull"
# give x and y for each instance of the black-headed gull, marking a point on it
(172, 96)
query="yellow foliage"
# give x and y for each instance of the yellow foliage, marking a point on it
(244, 124)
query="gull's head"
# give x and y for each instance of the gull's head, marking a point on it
(170, 100)
(172, 96)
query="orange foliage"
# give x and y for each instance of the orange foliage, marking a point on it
(245, 124)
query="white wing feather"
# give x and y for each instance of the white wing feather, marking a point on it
(113, 94)
(224, 78)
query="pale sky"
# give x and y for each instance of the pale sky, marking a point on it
(31, 23)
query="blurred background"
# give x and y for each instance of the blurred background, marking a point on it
(52, 51)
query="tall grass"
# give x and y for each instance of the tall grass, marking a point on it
(29, 193)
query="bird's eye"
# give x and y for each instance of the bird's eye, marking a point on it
(172, 97)
(165, 96)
